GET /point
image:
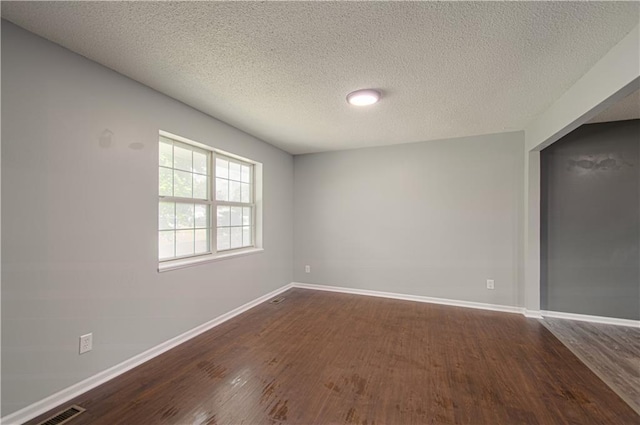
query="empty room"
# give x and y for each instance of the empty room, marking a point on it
(320, 212)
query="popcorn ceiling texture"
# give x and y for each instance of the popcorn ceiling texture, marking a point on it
(280, 71)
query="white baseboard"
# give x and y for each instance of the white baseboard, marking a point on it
(592, 319)
(27, 413)
(532, 314)
(54, 400)
(418, 298)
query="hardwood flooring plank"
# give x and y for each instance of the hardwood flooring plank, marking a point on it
(331, 358)
(611, 352)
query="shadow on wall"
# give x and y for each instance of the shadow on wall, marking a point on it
(590, 221)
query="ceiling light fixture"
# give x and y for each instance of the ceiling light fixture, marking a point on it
(363, 97)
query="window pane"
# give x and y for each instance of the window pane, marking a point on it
(236, 237)
(166, 153)
(202, 216)
(166, 182)
(187, 171)
(184, 242)
(181, 158)
(202, 241)
(234, 191)
(200, 186)
(166, 216)
(234, 171)
(222, 190)
(182, 184)
(166, 244)
(200, 162)
(246, 236)
(223, 238)
(222, 168)
(184, 216)
(223, 216)
(246, 174)
(236, 216)
(246, 192)
(246, 216)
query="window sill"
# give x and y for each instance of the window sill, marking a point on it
(189, 262)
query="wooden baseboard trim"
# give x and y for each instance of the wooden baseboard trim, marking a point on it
(532, 314)
(592, 319)
(406, 297)
(33, 410)
(48, 403)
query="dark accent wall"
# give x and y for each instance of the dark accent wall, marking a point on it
(590, 221)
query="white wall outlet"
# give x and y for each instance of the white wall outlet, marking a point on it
(86, 343)
(307, 269)
(490, 284)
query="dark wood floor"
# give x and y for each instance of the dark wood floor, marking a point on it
(611, 352)
(328, 358)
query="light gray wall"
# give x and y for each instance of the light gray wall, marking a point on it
(590, 218)
(434, 218)
(79, 242)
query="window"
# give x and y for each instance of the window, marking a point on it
(234, 203)
(207, 202)
(185, 204)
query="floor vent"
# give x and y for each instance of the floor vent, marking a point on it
(277, 300)
(64, 416)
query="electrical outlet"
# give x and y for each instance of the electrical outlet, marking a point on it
(307, 269)
(86, 343)
(490, 284)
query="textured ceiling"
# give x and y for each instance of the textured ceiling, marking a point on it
(626, 109)
(281, 70)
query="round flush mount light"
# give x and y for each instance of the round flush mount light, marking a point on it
(363, 97)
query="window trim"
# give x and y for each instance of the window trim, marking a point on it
(214, 254)
(181, 263)
(216, 203)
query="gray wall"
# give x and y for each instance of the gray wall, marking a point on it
(590, 221)
(79, 242)
(434, 219)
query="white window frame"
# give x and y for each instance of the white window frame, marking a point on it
(256, 227)
(216, 203)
